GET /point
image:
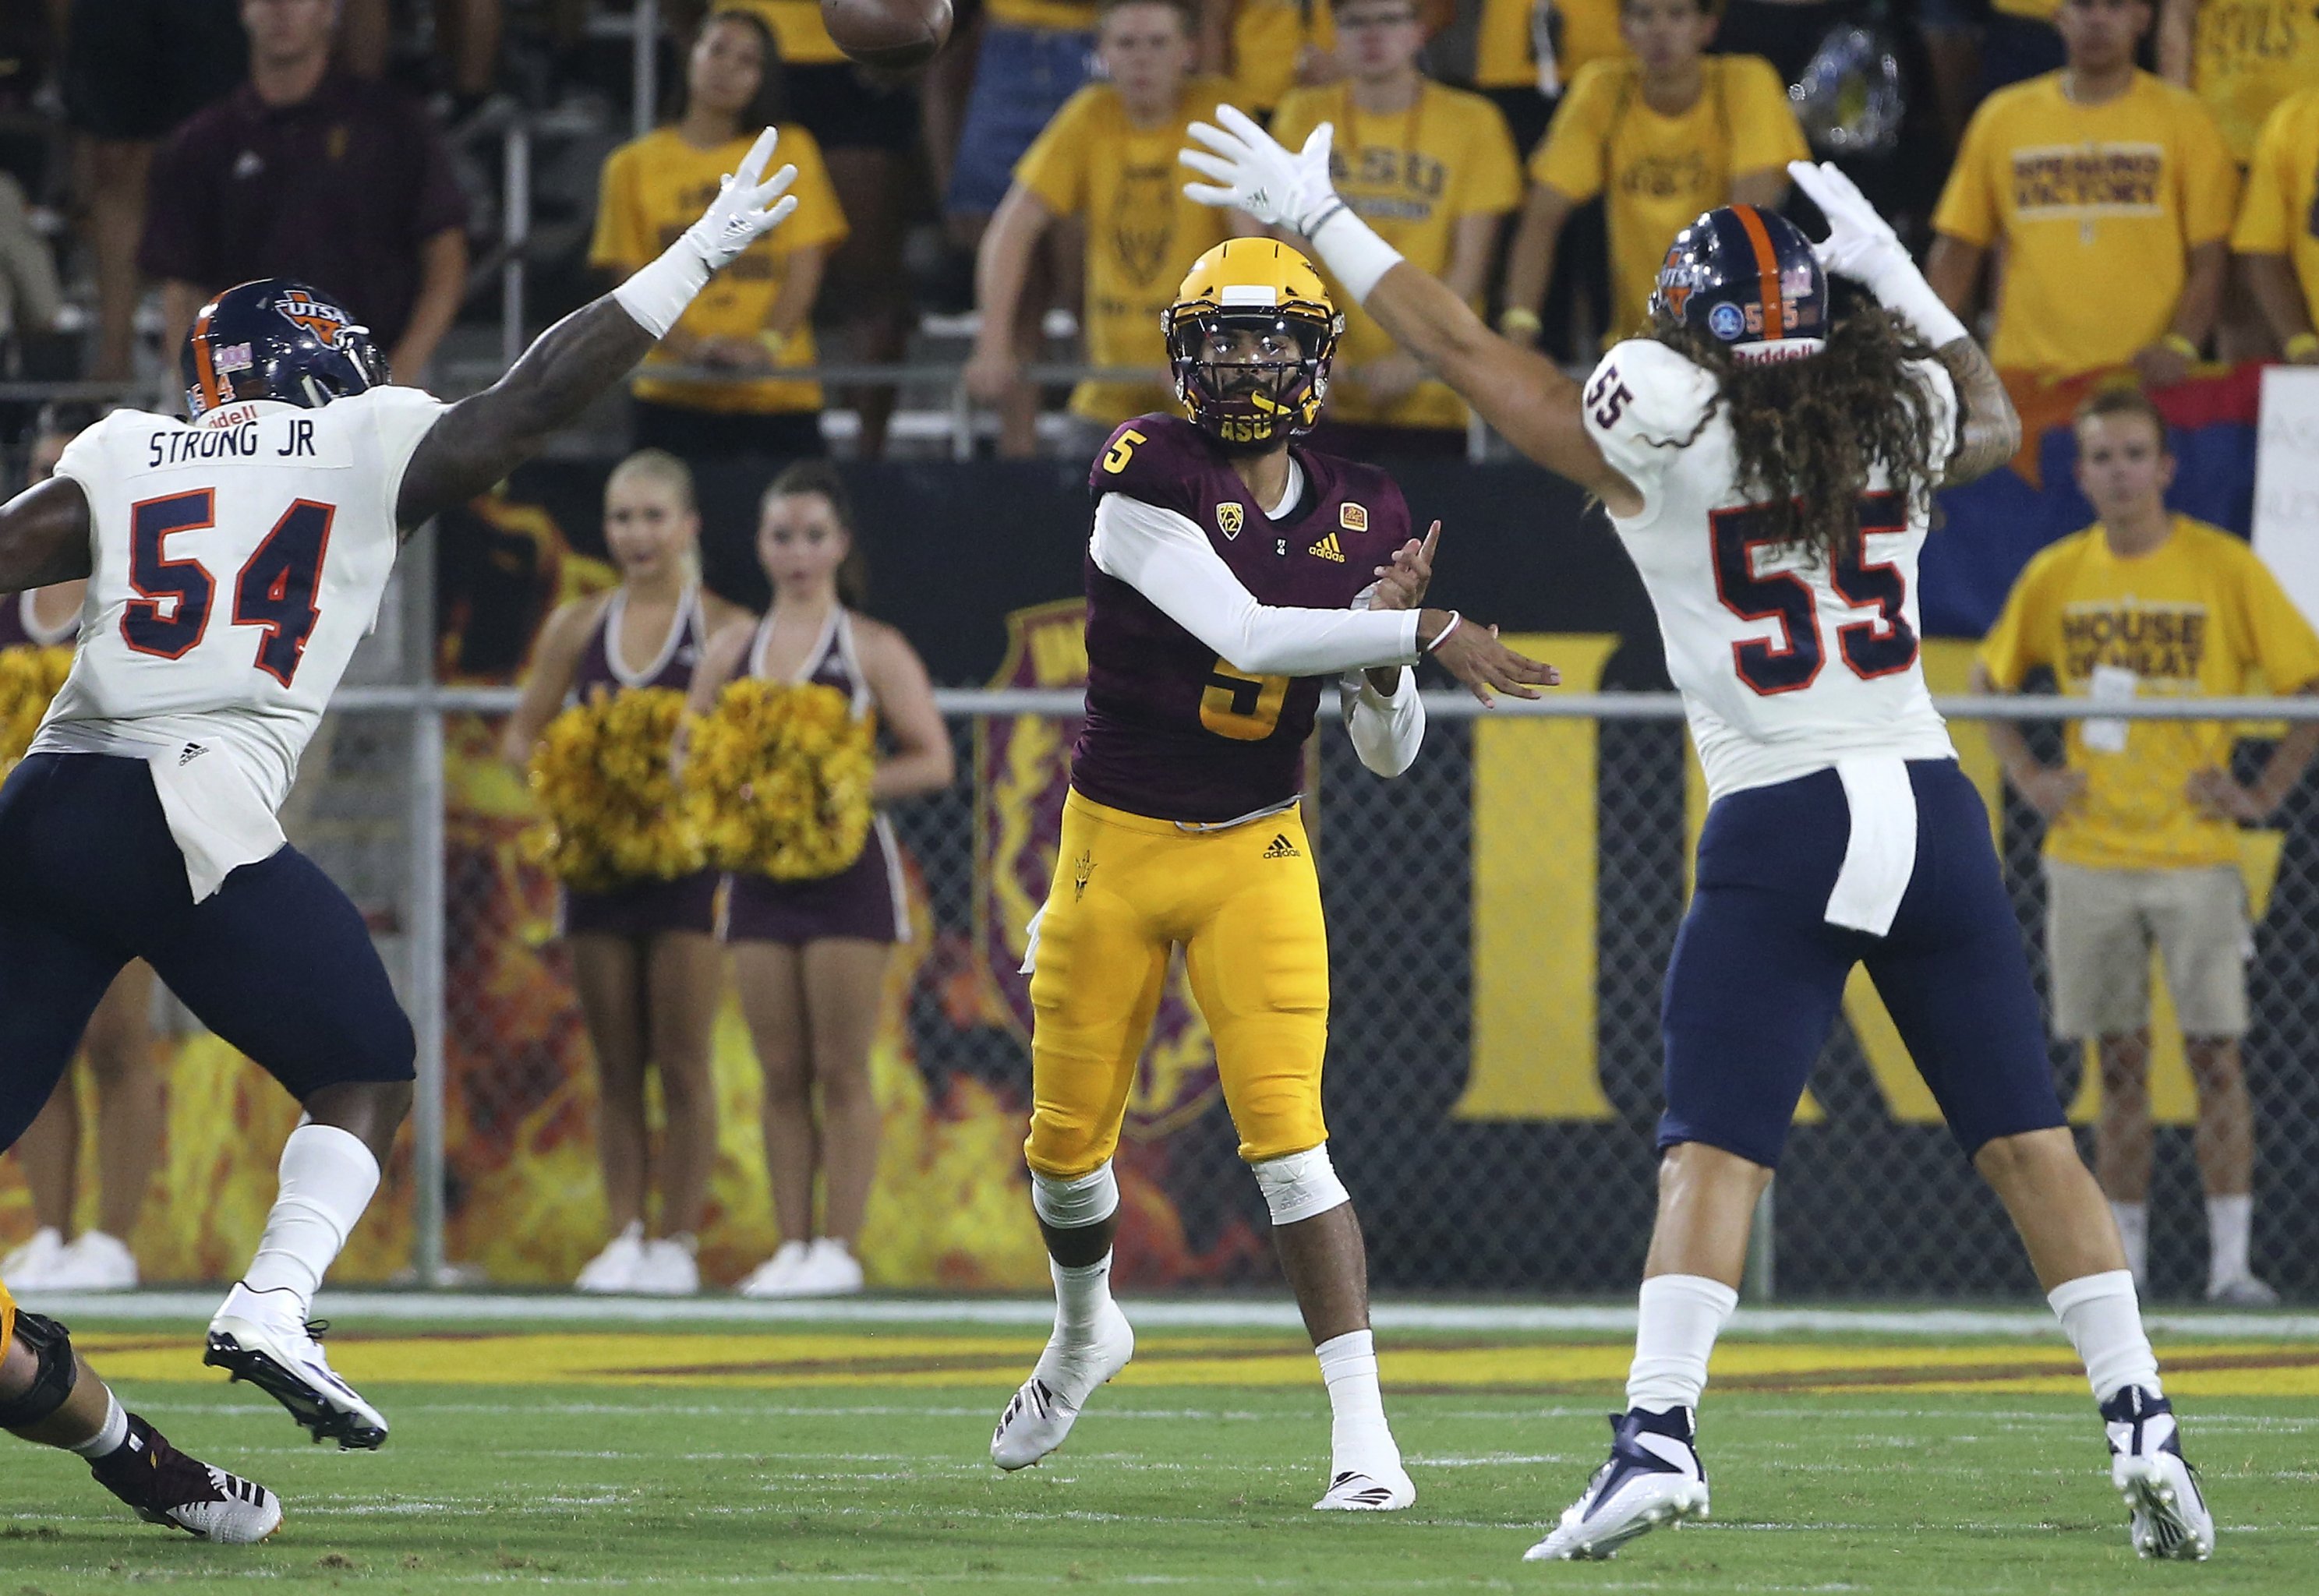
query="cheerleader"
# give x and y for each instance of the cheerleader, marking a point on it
(809, 957)
(643, 954)
(118, 1043)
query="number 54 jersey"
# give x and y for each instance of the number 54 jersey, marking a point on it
(1787, 663)
(237, 560)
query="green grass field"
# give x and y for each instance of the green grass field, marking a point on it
(854, 1456)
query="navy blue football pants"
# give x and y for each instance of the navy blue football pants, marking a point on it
(1758, 973)
(277, 961)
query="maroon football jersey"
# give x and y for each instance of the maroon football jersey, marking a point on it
(1172, 730)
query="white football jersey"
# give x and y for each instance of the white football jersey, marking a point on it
(1786, 665)
(238, 559)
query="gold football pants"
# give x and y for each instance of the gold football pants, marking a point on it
(1246, 904)
(7, 1317)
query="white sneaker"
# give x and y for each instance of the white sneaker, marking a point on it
(93, 1261)
(27, 1267)
(164, 1486)
(1378, 1489)
(263, 1336)
(2146, 1466)
(830, 1270)
(2247, 1291)
(668, 1269)
(1654, 1477)
(776, 1277)
(614, 1269)
(1065, 1377)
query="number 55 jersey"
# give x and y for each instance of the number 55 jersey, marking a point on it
(237, 560)
(1787, 663)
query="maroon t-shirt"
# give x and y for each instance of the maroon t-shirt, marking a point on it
(337, 191)
(1172, 730)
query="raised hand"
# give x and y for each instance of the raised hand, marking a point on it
(745, 209)
(1254, 172)
(1402, 585)
(1860, 244)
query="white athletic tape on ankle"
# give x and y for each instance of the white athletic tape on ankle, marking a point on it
(1300, 1186)
(1068, 1204)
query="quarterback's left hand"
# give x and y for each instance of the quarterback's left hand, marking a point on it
(1255, 174)
(1402, 585)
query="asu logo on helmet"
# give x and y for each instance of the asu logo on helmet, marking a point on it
(276, 340)
(1250, 338)
(1749, 278)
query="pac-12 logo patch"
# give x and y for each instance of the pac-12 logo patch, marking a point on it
(1353, 518)
(1231, 518)
(1726, 321)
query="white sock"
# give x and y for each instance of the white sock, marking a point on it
(2104, 1323)
(1081, 1294)
(1360, 1439)
(108, 1439)
(2133, 1230)
(2230, 1223)
(1680, 1316)
(327, 1176)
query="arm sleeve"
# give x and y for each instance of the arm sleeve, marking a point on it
(2261, 228)
(1386, 733)
(1162, 556)
(1571, 156)
(1968, 209)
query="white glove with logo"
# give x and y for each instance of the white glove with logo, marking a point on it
(1860, 245)
(744, 211)
(1255, 173)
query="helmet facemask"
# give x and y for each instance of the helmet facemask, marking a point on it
(1252, 376)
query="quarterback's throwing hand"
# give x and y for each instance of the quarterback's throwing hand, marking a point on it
(1402, 585)
(745, 209)
(1471, 652)
(1255, 174)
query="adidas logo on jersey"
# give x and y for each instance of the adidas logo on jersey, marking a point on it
(193, 751)
(1281, 847)
(1329, 548)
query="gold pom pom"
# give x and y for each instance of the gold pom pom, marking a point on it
(29, 680)
(777, 778)
(611, 807)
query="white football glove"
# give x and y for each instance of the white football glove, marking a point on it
(744, 210)
(1860, 245)
(1254, 172)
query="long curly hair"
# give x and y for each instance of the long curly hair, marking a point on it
(1809, 432)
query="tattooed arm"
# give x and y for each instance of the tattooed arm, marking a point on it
(1989, 429)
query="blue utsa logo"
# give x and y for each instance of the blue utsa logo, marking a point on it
(1726, 321)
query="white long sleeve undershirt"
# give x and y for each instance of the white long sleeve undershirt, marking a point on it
(1386, 733)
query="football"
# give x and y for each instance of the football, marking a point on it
(893, 34)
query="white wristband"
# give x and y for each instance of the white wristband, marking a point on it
(1442, 636)
(1904, 291)
(657, 295)
(1351, 251)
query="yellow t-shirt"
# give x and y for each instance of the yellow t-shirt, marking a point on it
(1504, 57)
(1062, 16)
(2279, 214)
(1658, 173)
(1411, 176)
(1268, 37)
(2246, 57)
(1142, 235)
(798, 31)
(2097, 208)
(656, 188)
(2192, 618)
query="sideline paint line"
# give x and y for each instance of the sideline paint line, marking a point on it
(1160, 1313)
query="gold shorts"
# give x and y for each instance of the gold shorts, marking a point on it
(7, 1318)
(1245, 903)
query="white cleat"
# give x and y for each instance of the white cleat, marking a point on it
(1654, 1477)
(614, 1269)
(1049, 1403)
(668, 1269)
(164, 1486)
(263, 1336)
(2169, 1516)
(1378, 1489)
(777, 1276)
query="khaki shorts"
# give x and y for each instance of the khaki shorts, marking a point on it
(2100, 925)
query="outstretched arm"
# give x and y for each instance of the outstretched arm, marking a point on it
(44, 536)
(479, 440)
(1522, 395)
(1989, 429)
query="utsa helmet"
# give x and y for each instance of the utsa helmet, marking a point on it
(1749, 278)
(1272, 389)
(276, 340)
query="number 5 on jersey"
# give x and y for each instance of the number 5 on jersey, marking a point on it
(274, 590)
(1882, 646)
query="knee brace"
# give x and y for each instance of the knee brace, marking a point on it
(51, 1345)
(1300, 1186)
(1068, 1202)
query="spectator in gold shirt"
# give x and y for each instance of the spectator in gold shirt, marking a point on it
(1109, 156)
(2275, 239)
(2141, 845)
(1268, 47)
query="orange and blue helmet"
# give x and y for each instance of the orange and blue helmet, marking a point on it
(273, 338)
(1265, 296)
(1748, 278)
